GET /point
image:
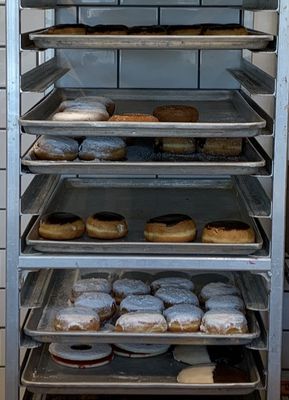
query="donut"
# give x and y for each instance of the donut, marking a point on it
(76, 319)
(108, 30)
(140, 350)
(56, 148)
(185, 30)
(228, 232)
(176, 145)
(230, 147)
(106, 101)
(141, 303)
(81, 355)
(224, 322)
(106, 225)
(213, 289)
(130, 117)
(226, 302)
(225, 30)
(67, 29)
(125, 287)
(176, 113)
(147, 30)
(81, 114)
(175, 228)
(102, 303)
(183, 318)
(170, 281)
(102, 148)
(61, 226)
(138, 322)
(173, 295)
(90, 285)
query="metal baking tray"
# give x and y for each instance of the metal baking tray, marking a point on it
(223, 113)
(122, 376)
(142, 159)
(255, 40)
(39, 324)
(139, 200)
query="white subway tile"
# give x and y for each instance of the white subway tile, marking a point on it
(2, 231)
(2, 149)
(2, 348)
(66, 15)
(3, 189)
(2, 108)
(2, 25)
(2, 308)
(161, 2)
(2, 269)
(2, 67)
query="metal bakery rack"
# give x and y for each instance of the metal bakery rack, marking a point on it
(251, 187)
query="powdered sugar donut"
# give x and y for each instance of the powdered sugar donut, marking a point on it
(102, 148)
(218, 289)
(225, 302)
(125, 287)
(138, 322)
(172, 281)
(90, 285)
(173, 295)
(106, 101)
(97, 114)
(102, 303)
(56, 148)
(76, 319)
(141, 303)
(183, 318)
(81, 356)
(224, 322)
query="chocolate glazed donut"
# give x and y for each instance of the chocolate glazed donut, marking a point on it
(106, 225)
(61, 226)
(228, 232)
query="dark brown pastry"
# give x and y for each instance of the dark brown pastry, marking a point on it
(185, 30)
(68, 29)
(176, 113)
(107, 30)
(224, 30)
(147, 30)
(228, 232)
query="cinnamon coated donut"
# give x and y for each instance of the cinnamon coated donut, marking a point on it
(172, 296)
(61, 226)
(106, 225)
(176, 113)
(102, 303)
(125, 287)
(130, 117)
(90, 285)
(56, 148)
(141, 303)
(76, 319)
(176, 145)
(228, 232)
(224, 322)
(175, 228)
(138, 322)
(102, 148)
(183, 318)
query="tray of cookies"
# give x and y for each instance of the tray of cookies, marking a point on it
(104, 369)
(144, 113)
(147, 216)
(206, 36)
(170, 156)
(169, 308)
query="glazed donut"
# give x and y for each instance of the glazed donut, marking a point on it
(140, 350)
(67, 29)
(81, 114)
(125, 287)
(225, 29)
(130, 117)
(102, 303)
(227, 302)
(175, 228)
(90, 285)
(173, 295)
(224, 322)
(76, 319)
(170, 281)
(102, 148)
(147, 30)
(141, 303)
(218, 289)
(228, 232)
(56, 148)
(176, 113)
(230, 147)
(176, 145)
(106, 225)
(81, 355)
(185, 30)
(61, 226)
(138, 322)
(183, 318)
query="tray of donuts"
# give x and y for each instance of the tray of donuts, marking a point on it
(109, 155)
(206, 36)
(147, 216)
(163, 308)
(141, 368)
(144, 113)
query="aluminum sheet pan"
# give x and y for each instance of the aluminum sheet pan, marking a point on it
(204, 199)
(255, 40)
(223, 113)
(40, 327)
(125, 376)
(142, 159)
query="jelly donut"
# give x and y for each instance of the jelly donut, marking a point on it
(173, 295)
(56, 148)
(125, 287)
(90, 285)
(183, 318)
(76, 319)
(138, 322)
(226, 302)
(102, 148)
(213, 289)
(102, 303)
(170, 281)
(141, 303)
(224, 322)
